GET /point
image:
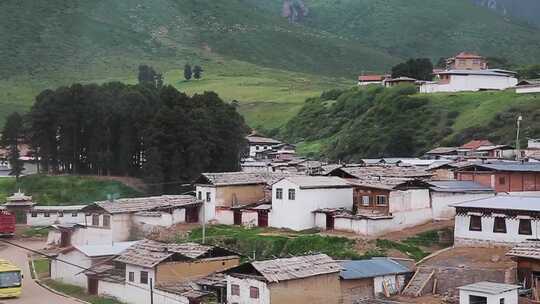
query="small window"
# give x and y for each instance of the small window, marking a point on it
(34, 214)
(292, 194)
(477, 300)
(476, 223)
(60, 214)
(525, 227)
(235, 290)
(199, 195)
(106, 221)
(47, 214)
(365, 200)
(257, 148)
(131, 276)
(253, 292)
(144, 277)
(208, 196)
(502, 180)
(74, 214)
(501, 301)
(95, 220)
(279, 193)
(381, 200)
(499, 226)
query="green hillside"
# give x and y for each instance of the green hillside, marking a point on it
(379, 122)
(250, 53)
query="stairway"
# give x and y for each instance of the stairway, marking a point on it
(418, 283)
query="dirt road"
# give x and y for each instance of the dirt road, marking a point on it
(32, 292)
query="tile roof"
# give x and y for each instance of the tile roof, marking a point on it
(493, 147)
(475, 144)
(58, 208)
(530, 250)
(104, 250)
(184, 289)
(386, 171)
(262, 140)
(374, 267)
(148, 253)
(489, 288)
(242, 178)
(504, 203)
(442, 150)
(296, 267)
(467, 55)
(371, 78)
(377, 183)
(132, 205)
(318, 182)
(458, 186)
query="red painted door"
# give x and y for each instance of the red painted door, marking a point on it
(92, 286)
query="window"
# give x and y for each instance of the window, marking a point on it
(477, 300)
(257, 148)
(501, 301)
(208, 196)
(60, 214)
(253, 292)
(381, 200)
(525, 227)
(365, 200)
(95, 220)
(476, 223)
(131, 276)
(34, 214)
(502, 180)
(279, 193)
(74, 214)
(106, 221)
(235, 290)
(292, 194)
(47, 214)
(499, 226)
(199, 195)
(144, 277)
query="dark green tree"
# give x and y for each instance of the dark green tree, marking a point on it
(420, 68)
(197, 72)
(188, 73)
(12, 135)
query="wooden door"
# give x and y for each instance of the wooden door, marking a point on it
(192, 215)
(65, 237)
(237, 217)
(329, 221)
(262, 219)
(92, 286)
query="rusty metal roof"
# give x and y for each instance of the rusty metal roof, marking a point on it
(132, 205)
(148, 253)
(530, 250)
(296, 267)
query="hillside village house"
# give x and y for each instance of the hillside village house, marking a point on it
(528, 86)
(381, 171)
(225, 194)
(391, 82)
(294, 199)
(502, 220)
(166, 268)
(124, 219)
(373, 278)
(527, 257)
(442, 152)
(385, 205)
(467, 61)
(488, 293)
(49, 215)
(259, 144)
(503, 176)
(312, 279)
(365, 80)
(85, 256)
(470, 80)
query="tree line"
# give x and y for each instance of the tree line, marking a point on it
(157, 133)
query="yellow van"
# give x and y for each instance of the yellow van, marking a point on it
(10, 280)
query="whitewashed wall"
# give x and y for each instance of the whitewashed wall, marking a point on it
(253, 149)
(91, 236)
(70, 274)
(408, 200)
(250, 218)
(54, 237)
(225, 217)
(129, 293)
(470, 83)
(510, 297)
(245, 284)
(441, 202)
(464, 237)
(209, 207)
(298, 214)
(41, 220)
(527, 90)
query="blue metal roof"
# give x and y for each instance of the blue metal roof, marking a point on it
(375, 267)
(508, 166)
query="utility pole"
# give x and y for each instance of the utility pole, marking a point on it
(151, 291)
(518, 152)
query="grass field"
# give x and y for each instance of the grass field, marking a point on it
(64, 190)
(78, 292)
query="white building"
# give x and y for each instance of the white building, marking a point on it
(48, 215)
(502, 220)
(528, 86)
(488, 293)
(294, 199)
(470, 80)
(126, 219)
(258, 144)
(85, 256)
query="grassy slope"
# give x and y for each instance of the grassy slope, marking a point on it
(64, 190)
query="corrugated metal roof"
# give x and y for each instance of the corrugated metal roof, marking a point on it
(508, 166)
(458, 186)
(262, 140)
(104, 250)
(385, 171)
(530, 250)
(489, 288)
(296, 267)
(479, 72)
(243, 178)
(375, 267)
(442, 150)
(504, 202)
(316, 182)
